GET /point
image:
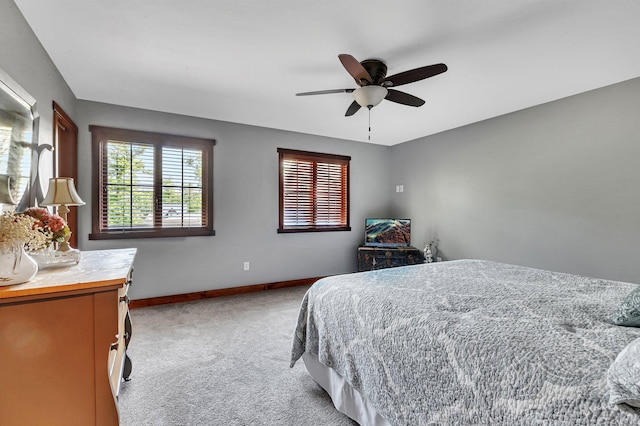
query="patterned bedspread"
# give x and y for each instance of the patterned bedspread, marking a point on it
(470, 342)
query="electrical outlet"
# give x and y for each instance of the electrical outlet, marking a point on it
(246, 266)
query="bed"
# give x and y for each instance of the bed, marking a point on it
(468, 342)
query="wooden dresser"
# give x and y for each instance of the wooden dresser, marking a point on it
(63, 338)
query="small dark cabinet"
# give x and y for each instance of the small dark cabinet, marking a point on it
(371, 258)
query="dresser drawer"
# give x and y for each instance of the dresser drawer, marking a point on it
(371, 258)
(117, 351)
(115, 365)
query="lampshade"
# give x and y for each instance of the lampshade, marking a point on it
(62, 191)
(369, 96)
(5, 190)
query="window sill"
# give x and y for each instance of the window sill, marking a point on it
(295, 229)
(151, 233)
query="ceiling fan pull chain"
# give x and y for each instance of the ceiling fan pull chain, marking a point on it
(369, 107)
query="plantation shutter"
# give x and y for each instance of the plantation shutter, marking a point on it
(298, 192)
(128, 193)
(182, 188)
(151, 184)
(314, 191)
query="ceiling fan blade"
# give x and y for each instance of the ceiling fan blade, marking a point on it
(353, 108)
(325, 92)
(355, 68)
(415, 74)
(403, 98)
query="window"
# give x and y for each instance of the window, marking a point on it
(314, 191)
(150, 184)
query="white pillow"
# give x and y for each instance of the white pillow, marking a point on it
(628, 313)
(623, 376)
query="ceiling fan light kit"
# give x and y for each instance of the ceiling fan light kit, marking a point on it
(369, 96)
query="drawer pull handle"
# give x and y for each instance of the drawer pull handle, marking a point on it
(114, 347)
(124, 299)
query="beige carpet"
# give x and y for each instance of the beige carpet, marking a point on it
(222, 361)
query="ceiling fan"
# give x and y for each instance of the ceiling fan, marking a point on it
(375, 86)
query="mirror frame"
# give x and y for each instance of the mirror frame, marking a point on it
(12, 88)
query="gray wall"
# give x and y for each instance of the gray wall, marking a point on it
(24, 59)
(555, 186)
(245, 207)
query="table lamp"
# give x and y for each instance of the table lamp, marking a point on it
(5, 191)
(62, 193)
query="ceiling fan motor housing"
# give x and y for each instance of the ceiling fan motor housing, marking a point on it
(376, 69)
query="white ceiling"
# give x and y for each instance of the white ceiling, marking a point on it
(243, 61)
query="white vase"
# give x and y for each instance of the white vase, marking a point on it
(16, 266)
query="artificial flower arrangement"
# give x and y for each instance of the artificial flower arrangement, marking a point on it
(36, 228)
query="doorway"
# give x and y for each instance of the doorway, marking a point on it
(65, 159)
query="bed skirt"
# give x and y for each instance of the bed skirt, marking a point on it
(346, 399)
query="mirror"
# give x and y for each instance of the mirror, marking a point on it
(18, 140)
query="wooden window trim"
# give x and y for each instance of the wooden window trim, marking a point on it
(314, 157)
(100, 134)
